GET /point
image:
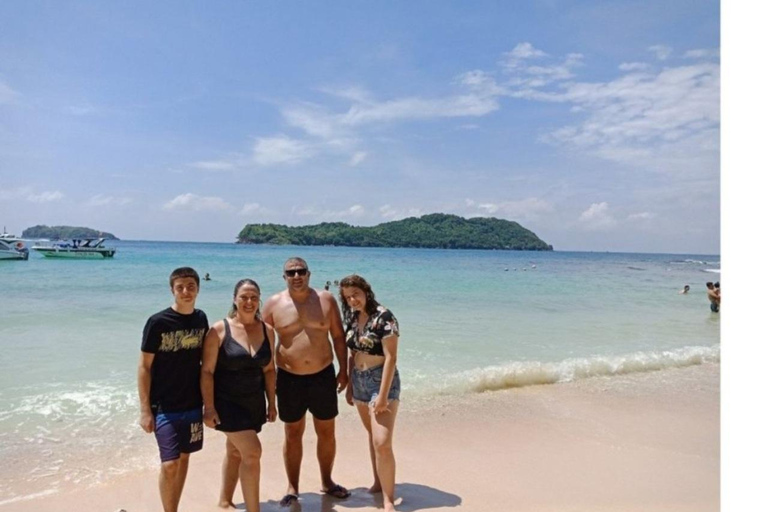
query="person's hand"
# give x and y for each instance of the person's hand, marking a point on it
(349, 396)
(211, 417)
(147, 421)
(380, 404)
(271, 413)
(342, 379)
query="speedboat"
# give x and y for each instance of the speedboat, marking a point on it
(12, 247)
(85, 248)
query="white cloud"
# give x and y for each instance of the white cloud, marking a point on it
(597, 217)
(480, 82)
(45, 197)
(280, 150)
(390, 213)
(633, 66)
(641, 216)
(28, 194)
(358, 158)
(356, 210)
(313, 120)
(471, 105)
(662, 51)
(520, 53)
(324, 214)
(559, 71)
(702, 53)
(524, 209)
(338, 133)
(102, 200)
(196, 203)
(641, 117)
(353, 93)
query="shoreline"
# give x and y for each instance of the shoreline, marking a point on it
(647, 441)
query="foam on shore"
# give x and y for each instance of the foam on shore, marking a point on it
(530, 373)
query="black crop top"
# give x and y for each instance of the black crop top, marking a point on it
(379, 325)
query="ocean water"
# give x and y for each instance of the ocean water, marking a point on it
(471, 321)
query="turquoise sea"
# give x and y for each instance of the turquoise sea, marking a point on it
(471, 321)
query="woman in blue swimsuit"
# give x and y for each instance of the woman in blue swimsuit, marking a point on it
(372, 334)
(238, 384)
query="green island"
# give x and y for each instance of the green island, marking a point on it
(65, 232)
(436, 230)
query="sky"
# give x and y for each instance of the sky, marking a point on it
(595, 124)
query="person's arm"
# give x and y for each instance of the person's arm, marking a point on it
(146, 418)
(389, 344)
(270, 378)
(210, 356)
(339, 345)
(267, 315)
(350, 367)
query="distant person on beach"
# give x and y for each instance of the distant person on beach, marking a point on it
(713, 294)
(306, 380)
(238, 385)
(372, 334)
(685, 290)
(169, 383)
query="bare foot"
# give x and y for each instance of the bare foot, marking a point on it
(226, 504)
(389, 507)
(375, 488)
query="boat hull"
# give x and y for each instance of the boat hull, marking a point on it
(75, 254)
(13, 255)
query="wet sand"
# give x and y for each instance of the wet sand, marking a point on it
(641, 442)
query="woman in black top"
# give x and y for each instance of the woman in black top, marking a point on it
(372, 334)
(238, 384)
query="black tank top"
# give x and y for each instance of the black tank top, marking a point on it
(238, 373)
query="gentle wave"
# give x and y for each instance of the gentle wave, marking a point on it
(694, 262)
(520, 374)
(27, 497)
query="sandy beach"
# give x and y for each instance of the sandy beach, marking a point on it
(646, 441)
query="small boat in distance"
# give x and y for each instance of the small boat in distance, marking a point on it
(85, 248)
(12, 247)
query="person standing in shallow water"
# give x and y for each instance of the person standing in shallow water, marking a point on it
(306, 381)
(713, 294)
(238, 386)
(372, 334)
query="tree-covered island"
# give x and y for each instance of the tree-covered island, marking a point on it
(436, 230)
(65, 233)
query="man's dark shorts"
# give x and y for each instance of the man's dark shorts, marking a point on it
(178, 432)
(315, 392)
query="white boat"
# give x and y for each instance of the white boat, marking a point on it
(85, 248)
(12, 247)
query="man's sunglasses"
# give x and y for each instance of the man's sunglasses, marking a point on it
(293, 272)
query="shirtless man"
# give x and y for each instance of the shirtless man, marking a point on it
(713, 294)
(303, 318)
